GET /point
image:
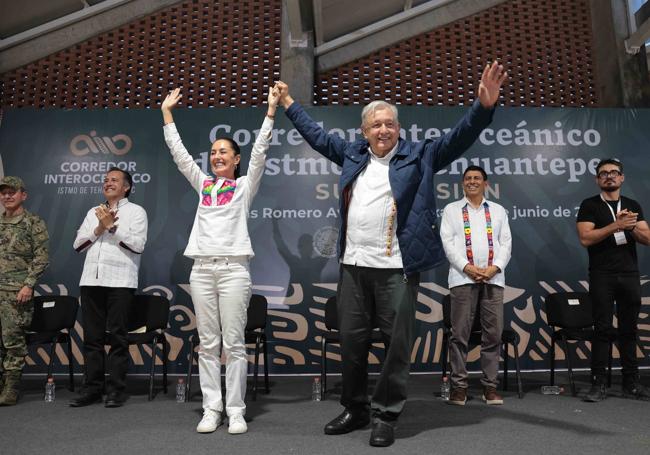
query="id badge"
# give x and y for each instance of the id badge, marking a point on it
(619, 237)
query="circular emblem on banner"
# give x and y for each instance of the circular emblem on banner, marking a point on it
(325, 241)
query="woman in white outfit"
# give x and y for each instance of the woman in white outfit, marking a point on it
(219, 243)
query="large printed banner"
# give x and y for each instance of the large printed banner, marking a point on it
(540, 162)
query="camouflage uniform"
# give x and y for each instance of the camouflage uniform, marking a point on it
(23, 258)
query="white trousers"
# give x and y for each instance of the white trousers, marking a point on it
(221, 289)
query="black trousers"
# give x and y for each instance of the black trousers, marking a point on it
(383, 298)
(625, 290)
(104, 310)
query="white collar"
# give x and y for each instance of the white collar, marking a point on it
(386, 157)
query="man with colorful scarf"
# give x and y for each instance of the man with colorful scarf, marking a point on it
(476, 238)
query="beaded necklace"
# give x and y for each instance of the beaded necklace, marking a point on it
(468, 234)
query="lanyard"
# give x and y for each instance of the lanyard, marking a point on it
(618, 206)
(468, 234)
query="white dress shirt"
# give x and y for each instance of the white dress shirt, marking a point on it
(372, 218)
(221, 230)
(113, 259)
(452, 232)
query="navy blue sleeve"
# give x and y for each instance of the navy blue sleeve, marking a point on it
(331, 146)
(453, 144)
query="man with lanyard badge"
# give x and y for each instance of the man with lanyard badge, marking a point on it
(610, 226)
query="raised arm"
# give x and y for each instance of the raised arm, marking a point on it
(468, 129)
(258, 155)
(169, 103)
(492, 79)
(181, 156)
(331, 146)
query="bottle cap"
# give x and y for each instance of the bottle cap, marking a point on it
(316, 379)
(50, 379)
(181, 380)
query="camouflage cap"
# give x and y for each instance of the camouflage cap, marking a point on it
(13, 182)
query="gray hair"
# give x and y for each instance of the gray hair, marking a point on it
(377, 106)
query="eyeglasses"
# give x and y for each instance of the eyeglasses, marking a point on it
(605, 174)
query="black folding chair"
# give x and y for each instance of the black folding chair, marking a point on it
(570, 318)
(54, 317)
(255, 333)
(508, 337)
(151, 312)
(332, 336)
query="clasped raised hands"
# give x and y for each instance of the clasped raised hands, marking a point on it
(106, 217)
(626, 220)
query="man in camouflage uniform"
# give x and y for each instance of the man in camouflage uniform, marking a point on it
(23, 258)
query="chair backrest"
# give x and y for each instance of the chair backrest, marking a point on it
(446, 314)
(331, 314)
(53, 313)
(570, 310)
(257, 307)
(150, 311)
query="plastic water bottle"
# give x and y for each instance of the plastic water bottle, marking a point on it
(316, 389)
(50, 390)
(445, 388)
(552, 390)
(181, 391)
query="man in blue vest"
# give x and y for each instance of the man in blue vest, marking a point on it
(388, 236)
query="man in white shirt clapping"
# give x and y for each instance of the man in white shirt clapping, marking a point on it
(113, 236)
(476, 238)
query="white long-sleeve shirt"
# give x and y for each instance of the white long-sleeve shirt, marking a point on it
(452, 232)
(372, 218)
(221, 230)
(113, 259)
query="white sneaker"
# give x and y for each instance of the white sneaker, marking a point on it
(237, 424)
(210, 421)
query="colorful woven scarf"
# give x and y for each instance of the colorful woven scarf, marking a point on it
(224, 194)
(468, 234)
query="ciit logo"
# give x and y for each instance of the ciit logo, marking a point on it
(119, 145)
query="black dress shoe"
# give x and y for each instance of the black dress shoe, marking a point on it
(114, 400)
(347, 422)
(382, 434)
(85, 399)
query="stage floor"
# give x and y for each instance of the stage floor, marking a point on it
(287, 421)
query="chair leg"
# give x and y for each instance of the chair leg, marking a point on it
(570, 368)
(266, 365)
(165, 351)
(49, 364)
(153, 364)
(504, 347)
(256, 366)
(609, 364)
(323, 366)
(70, 366)
(520, 389)
(444, 354)
(188, 378)
(552, 358)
